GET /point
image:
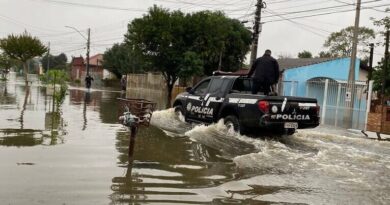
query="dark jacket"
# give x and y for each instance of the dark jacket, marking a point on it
(265, 69)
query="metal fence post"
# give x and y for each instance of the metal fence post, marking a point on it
(324, 102)
(370, 85)
(337, 103)
(307, 89)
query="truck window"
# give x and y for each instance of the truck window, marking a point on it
(242, 85)
(201, 89)
(218, 87)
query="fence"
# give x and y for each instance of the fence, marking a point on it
(287, 88)
(150, 86)
(342, 104)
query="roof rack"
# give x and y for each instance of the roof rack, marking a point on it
(220, 73)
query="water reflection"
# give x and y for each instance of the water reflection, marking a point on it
(166, 170)
(22, 122)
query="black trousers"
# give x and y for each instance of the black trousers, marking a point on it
(261, 85)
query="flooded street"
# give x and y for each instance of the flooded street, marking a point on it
(78, 155)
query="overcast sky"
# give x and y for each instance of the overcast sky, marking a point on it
(283, 34)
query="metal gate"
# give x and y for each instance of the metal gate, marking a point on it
(342, 104)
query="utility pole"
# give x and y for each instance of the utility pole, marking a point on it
(384, 78)
(351, 74)
(370, 66)
(352, 65)
(256, 30)
(88, 44)
(48, 58)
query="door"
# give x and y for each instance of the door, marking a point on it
(195, 107)
(215, 96)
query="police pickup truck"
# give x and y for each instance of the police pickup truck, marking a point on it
(230, 98)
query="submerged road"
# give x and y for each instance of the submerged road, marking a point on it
(78, 155)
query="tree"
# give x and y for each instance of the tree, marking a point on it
(22, 48)
(305, 54)
(5, 65)
(385, 22)
(225, 43)
(327, 54)
(377, 76)
(340, 43)
(120, 59)
(57, 62)
(182, 45)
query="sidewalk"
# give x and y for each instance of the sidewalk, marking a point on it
(349, 132)
(371, 135)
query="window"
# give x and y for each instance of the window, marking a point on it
(218, 86)
(242, 85)
(201, 89)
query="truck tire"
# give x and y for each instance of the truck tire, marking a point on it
(231, 121)
(179, 111)
(290, 131)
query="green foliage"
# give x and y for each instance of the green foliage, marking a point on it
(305, 54)
(58, 62)
(385, 22)
(327, 54)
(121, 59)
(340, 43)
(6, 62)
(377, 76)
(22, 48)
(180, 45)
(57, 78)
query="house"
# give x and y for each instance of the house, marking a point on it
(96, 69)
(326, 79)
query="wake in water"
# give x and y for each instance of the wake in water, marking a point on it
(322, 165)
(216, 136)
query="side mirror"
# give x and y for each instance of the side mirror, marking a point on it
(189, 89)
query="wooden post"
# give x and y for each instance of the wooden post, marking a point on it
(133, 133)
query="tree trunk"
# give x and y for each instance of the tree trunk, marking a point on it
(24, 107)
(25, 73)
(169, 92)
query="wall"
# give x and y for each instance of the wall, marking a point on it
(150, 86)
(335, 69)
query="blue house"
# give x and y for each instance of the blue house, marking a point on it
(326, 78)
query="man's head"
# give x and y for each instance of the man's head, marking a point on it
(267, 52)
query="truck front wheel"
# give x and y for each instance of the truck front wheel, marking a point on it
(179, 112)
(232, 123)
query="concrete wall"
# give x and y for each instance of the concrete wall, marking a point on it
(336, 69)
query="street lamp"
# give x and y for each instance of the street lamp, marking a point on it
(88, 43)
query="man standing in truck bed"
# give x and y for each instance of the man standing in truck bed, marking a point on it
(266, 73)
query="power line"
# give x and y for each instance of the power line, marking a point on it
(302, 25)
(95, 6)
(322, 14)
(317, 9)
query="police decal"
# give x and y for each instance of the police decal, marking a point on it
(189, 106)
(202, 110)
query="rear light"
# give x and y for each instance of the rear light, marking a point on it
(264, 106)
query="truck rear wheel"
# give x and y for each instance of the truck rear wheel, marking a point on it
(232, 123)
(290, 131)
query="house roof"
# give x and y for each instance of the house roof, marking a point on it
(288, 63)
(77, 61)
(96, 59)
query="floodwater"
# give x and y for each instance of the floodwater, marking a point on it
(78, 155)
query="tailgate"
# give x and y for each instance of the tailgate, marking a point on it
(286, 109)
